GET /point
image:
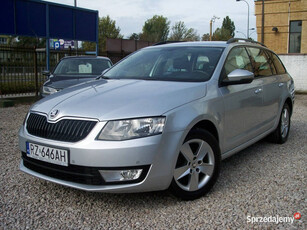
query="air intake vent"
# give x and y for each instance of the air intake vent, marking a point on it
(68, 130)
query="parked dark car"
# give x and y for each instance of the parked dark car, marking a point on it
(72, 71)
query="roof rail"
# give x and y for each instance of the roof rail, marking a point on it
(232, 40)
(165, 42)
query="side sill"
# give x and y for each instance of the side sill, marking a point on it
(246, 144)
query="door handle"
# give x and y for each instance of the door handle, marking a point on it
(280, 84)
(258, 91)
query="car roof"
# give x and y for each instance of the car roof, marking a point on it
(197, 43)
(231, 42)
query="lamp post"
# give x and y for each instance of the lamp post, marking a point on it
(241, 33)
(247, 16)
(75, 41)
(211, 22)
(249, 33)
(252, 33)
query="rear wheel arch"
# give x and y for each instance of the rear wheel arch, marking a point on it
(290, 104)
(281, 133)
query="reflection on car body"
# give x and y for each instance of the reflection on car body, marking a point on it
(74, 70)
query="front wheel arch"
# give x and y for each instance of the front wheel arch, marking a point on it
(207, 126)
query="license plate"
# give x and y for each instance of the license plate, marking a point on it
(47, 154)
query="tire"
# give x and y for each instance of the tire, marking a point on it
(197, 166)
(281, 133)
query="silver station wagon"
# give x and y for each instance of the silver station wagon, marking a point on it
(162, 118)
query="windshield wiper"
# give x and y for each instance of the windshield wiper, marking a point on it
(101, 76)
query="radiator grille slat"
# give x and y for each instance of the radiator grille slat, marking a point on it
(45, 128)
(68, 130)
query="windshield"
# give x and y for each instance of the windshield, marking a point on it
(82, 66)
(169, 64)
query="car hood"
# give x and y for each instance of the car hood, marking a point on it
(119, 99)
(61, 82)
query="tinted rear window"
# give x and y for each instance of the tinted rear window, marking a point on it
(260, 62)
(278, 65)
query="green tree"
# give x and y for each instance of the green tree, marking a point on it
(134, 36)
(226, 32)
(23, 41)
(107, 29)
(178, 31)
(229, 25)
(205, 37)
(192, 35)
(156, 29)
(181, 33)
(221, 34)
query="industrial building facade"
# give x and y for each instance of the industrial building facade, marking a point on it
(285, 25)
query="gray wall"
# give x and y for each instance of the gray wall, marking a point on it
(296, 64)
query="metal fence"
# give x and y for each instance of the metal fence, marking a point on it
(21, 68)
(117, 48)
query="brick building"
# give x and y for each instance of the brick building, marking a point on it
(285, 25)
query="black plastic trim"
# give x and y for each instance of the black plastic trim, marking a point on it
(233, 40)
(68, 130)
(79, 174)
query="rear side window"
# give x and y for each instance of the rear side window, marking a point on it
(237, 59)
(260, 62)
(278, 65)
(270, 61)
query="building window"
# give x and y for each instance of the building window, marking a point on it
(295, 36)
(3, 41)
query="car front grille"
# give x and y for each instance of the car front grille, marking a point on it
(67, 130)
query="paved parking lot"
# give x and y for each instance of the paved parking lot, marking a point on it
(265, 180)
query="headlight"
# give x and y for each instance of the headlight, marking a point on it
(132, 128)
(49, 90)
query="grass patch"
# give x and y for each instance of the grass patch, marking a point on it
(17, 87)
(6, 103)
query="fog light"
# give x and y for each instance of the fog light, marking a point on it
(131, 174)
(120, 175)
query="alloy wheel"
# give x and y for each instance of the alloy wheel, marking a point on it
(195, 165)
(284, 127)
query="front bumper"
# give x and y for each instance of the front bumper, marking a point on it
(156, 153)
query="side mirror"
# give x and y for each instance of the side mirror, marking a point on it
(239, 76)
(46, 73)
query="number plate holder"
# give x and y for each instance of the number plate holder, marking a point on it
(47, 154)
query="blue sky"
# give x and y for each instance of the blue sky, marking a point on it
(130, 15)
